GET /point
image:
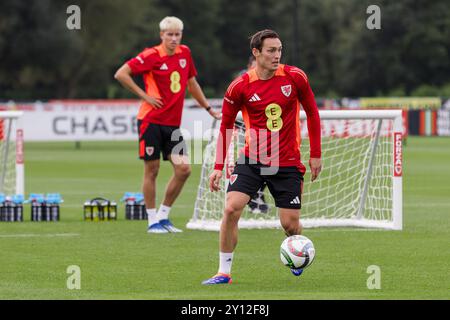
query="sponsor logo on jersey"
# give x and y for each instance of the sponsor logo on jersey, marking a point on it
(183, 63)
(286, 90)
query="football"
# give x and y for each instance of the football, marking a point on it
(297, 252)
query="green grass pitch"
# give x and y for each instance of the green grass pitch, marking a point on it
(119, 260)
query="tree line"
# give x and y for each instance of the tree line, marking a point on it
(41, 59)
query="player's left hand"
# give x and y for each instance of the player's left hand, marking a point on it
(215, 114)
(316, 166)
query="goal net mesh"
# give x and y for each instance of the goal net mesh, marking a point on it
(353, 189)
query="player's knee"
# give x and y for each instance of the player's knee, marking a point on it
(183, 171)
(152, 175)
(151, 172)
(231, 211)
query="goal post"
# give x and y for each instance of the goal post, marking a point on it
(360, 184)
(12, 172)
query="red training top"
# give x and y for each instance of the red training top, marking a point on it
(165, 77)
(270, 109)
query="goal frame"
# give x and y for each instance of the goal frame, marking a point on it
(8, 117)
(396, 223)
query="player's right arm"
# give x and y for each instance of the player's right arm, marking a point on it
(135, 66)
(230, 108)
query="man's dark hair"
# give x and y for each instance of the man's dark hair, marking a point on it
(256, 41)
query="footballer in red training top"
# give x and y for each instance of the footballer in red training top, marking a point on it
(269, 98)
(168, 70)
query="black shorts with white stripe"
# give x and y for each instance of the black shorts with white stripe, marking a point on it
(286, 185)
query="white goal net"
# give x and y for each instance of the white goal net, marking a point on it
(360, 184)
(11, 153)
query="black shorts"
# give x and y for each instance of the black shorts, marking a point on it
(286, 185)
(156, 138)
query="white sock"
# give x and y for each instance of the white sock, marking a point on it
(152, 218)
(226, 259)
(163, 212)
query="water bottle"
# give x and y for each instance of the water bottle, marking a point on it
(112, 210)
(11, 210)
(18, 199)
(88, 211)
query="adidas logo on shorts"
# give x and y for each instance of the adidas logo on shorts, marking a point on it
(296, 200)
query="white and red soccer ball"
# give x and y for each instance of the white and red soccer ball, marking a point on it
(297, 252)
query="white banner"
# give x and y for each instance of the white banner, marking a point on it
(84, 120)
(80, 120)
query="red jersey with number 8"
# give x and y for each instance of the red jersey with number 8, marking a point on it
(165, 77)
(270, 110)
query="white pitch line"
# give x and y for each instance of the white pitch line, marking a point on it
(50, 235)
(349, 229)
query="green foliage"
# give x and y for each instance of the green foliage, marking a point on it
(329, 40)
(397, 92)
(445, 90)
(425, 91)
